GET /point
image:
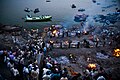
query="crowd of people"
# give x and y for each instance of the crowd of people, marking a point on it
(23, 67)
(53, 70)
(23, 61)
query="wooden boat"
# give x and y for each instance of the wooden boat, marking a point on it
(38, 18)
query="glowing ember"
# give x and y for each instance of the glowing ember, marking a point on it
(55, 31)
(92, 66)
(117, 52)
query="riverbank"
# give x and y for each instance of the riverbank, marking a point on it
(84, 45)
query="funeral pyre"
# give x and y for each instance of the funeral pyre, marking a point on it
(117, 52)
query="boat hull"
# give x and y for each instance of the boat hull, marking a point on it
(38, 19)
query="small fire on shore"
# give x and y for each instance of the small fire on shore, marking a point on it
(55, 31)
(92, 66)
(117, 52)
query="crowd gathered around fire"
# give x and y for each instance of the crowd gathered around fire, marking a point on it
(24, 63)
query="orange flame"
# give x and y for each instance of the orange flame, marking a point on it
(92, 66)
(117, 52)
(55, 31)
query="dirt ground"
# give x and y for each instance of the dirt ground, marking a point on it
(110, 64)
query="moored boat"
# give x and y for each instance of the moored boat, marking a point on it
(73, 6)
(38, 18)
(80, 17)
(27, 10)
(48, 1)
(36, 10)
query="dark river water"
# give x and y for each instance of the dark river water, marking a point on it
(12, 11)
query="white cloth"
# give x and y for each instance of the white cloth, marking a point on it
(46, 77)
(37, 70)
(48, 45)
(9, 65)
(49, 64)
(15, 72)
(45, 70)
(64, 78)
(25, 70)
(30, 67)
(101, 78)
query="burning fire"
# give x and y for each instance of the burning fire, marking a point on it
(92, 66)
(117, 52)
(55, 31)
